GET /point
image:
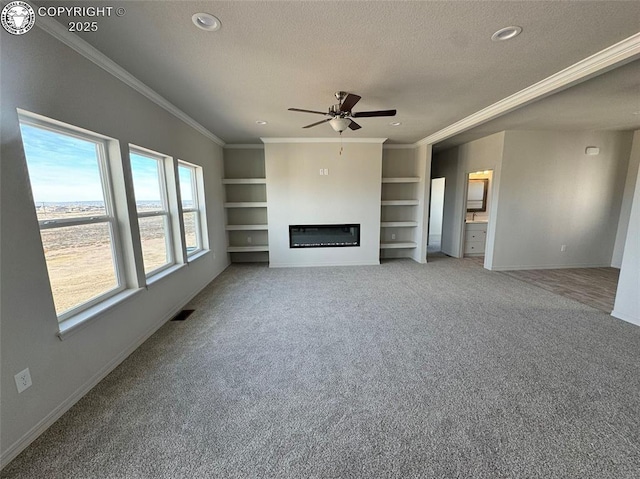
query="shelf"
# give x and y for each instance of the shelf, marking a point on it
(244, 181)
(246, 204)
(407, 179)
(246, 227)
(247, 249)
(398, 245)
(398, 224)
(399, 202)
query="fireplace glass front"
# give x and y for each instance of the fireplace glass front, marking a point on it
(324, 236)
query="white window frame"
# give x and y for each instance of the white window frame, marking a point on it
(102, 152)
(165, 211)
(195, 208)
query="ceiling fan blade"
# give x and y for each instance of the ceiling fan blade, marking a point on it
(317, 123)
(354, 126)
(366, 114)
(309, 111)
(349, 102)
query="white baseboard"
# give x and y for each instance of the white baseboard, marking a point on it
(21, 444)
(315, 265)
(625, 317)
(549, 266)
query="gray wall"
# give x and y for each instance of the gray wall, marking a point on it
(41, 75)
(298, 194)
(546, 193)
(552, 193)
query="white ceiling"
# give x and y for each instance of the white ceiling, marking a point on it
(432, 61)
(610, 101)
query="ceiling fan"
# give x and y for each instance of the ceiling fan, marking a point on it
(340, 114)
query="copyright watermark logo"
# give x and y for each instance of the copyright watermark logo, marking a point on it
(18, 17)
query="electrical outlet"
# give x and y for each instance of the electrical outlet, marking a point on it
(249, 239)
(326, 171)
(563, 248)
(321, 172)
(23, 380)
(393, 236)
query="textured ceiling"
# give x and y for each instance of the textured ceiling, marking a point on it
(432, 61)
(610, 101)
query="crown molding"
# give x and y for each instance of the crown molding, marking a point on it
(399, 146)
(323, 140)
(248, 146)
(59, 32)
(613, 56)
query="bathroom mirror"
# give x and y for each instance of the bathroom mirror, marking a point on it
(477, 195)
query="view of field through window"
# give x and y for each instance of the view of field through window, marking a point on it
(187, 182)
(150, 191)
(66, 183)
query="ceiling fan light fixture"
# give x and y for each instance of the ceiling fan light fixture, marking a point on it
(506, 33)
(206, 21)
(340, 124)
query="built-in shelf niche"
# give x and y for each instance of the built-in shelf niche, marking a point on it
(244, 181)
(249, 227)
(398, 245)
(398, 224)
(399, 203)
(247, 216)
(246, 204)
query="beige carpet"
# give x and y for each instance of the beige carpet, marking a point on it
(404, 370)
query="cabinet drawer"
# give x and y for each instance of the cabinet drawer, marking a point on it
(475, 235)
(471, 247)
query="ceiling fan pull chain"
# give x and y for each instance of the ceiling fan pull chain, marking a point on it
(340, 143)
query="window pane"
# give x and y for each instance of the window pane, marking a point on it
(80, 263)
(191, 231)
(146, 182)
(186, 186)
(153, 237)
(64, 173)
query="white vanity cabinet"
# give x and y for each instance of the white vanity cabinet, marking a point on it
(475, 238)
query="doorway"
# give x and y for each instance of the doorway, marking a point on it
(477, 214)
(436, 213)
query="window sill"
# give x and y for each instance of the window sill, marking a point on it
(199, 254)
(164, 273)
(72, 325)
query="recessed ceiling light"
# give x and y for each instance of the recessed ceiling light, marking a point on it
(506, 33)
(395, 123)
(636, 113)
(206, 21)
(261, 122)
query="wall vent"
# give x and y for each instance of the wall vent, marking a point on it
(182, 315)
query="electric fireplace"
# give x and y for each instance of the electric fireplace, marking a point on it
(324, 236)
